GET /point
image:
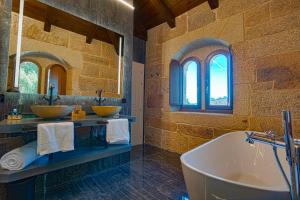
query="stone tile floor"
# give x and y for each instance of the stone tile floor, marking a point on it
(151, 174)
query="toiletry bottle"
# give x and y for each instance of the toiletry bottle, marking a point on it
(82, 113)
(75, 113)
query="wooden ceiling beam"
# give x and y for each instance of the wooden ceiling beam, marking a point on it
(89, 39)
(114, 39)
(47, 22)
(140, 30)
(213, 4)
(91, 34)
(165, 12)
(47, 25)
(141, 33)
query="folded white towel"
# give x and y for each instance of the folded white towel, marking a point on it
(117, 131)
(55, 137)
(19, 158)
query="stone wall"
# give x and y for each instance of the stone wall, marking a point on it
(109, 14)
(265, 38)
(91, 66)
(5, 15)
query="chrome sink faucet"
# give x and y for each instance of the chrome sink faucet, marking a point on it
(51, 100)
(292, 148)
(99, 99)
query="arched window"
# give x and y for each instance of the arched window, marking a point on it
(191, 83)
(56, 76)
(218, 91)
(186, 88)
(29, 77)
(185, 83)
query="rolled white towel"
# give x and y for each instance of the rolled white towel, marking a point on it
(19, 158)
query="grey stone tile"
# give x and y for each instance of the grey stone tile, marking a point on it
(149, 175)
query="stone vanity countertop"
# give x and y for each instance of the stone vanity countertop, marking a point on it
(27, 125)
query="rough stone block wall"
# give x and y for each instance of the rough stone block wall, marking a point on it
(5, 15)
(265, 37)
(110, 14)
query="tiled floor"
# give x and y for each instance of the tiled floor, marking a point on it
(151, 174)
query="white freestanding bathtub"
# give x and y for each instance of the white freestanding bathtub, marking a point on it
(230, 168)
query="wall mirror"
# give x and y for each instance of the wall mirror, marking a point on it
(50, 46)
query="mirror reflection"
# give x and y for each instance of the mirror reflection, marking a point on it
(75, 56)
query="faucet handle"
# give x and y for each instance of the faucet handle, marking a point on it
(249, 138)
(99, 100)
(44, 98)
(271, 134)
(56, 99)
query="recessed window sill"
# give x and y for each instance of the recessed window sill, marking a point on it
(205, 112)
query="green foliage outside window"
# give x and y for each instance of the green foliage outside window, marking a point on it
(29, 78)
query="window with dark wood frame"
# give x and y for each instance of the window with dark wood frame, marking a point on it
(30, 64)
(57, 76)
(191, 83)
(185, 84)
(218, 95)
(219, 81)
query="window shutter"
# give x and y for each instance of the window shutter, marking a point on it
(175, 83)
(230, 67)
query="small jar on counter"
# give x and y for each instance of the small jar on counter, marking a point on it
(78, 113)
(14, 115)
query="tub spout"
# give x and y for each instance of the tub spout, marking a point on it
(291, 146)
(268, 137)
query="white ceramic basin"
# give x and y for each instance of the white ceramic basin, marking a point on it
(51, 112)
(230, 168)
(106, 111)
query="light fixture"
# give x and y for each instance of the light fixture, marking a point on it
(120, 64)
(126, 3)
(19, 44)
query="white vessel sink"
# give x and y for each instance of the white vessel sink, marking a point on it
(51, 112)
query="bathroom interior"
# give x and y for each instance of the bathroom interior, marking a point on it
(150, 99)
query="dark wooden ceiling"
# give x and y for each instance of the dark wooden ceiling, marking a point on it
(147, 14)
(150, 13)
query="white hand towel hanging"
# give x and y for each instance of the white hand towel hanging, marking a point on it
(117, 131)
(55, 137)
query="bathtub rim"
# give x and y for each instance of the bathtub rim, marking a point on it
(184, 162)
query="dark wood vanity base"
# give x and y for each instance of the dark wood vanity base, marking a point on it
(62, 160)
(97, 152)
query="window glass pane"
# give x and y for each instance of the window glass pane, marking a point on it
(29, 78)
(218, 81)
(190, 87)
